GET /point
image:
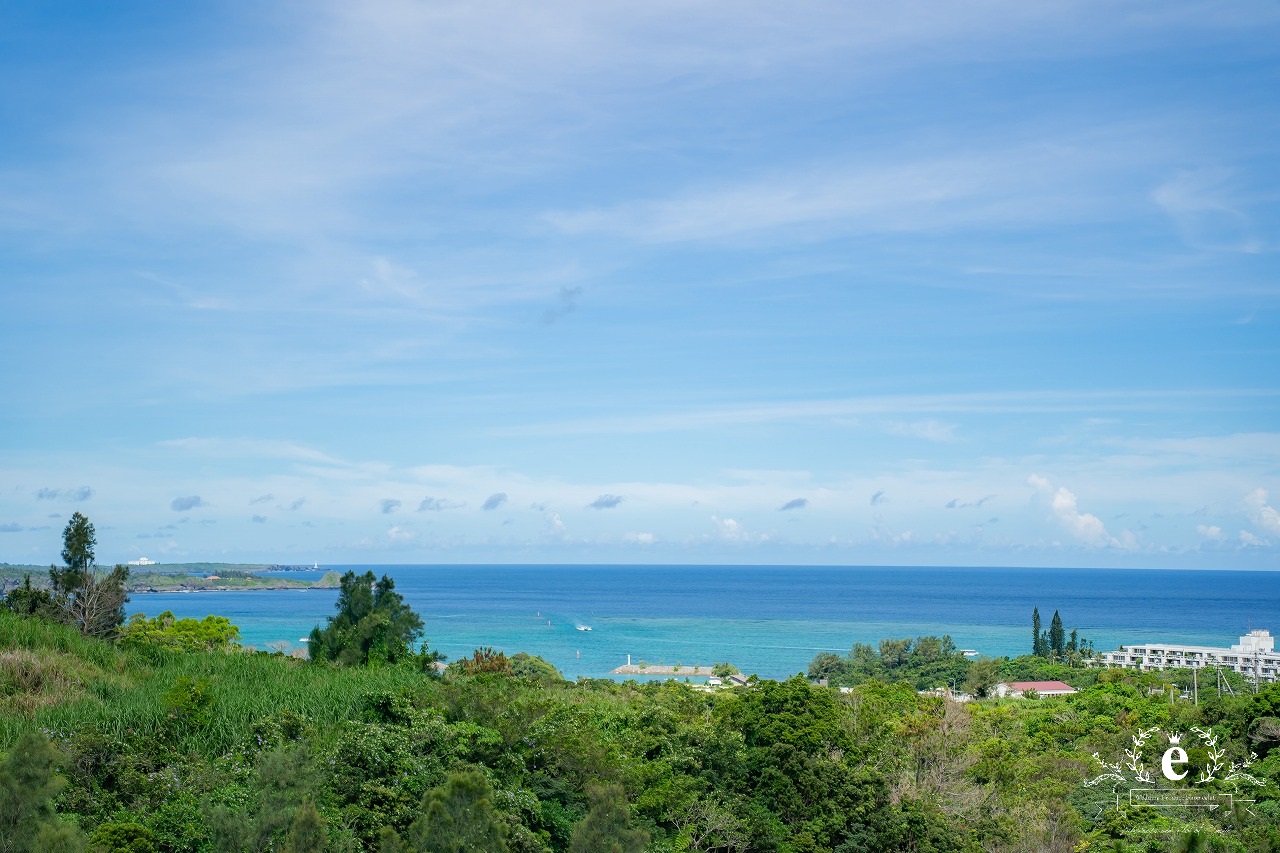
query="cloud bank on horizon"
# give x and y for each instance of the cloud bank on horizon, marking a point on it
(835, 283)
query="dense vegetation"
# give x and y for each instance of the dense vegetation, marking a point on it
(166, 748)
(172, 738)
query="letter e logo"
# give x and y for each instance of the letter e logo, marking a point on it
(1173, 755)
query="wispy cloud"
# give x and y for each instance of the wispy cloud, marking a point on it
(929, 430)
(262, 499)
(250, 449)
(992, 402)
(605, 502)
(1203, 204)
(189, 502)
(494, 501)
(795, 503)
(430, 504)
(565, 305)
(388, 505)
(879, 498)
(957, 503)
(1009, 187)
(71, 495)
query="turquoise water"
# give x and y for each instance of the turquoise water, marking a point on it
(766, 620)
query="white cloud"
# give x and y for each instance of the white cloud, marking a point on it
(1085, 527)
(1209, 531)
(730, 530)
(1261, 513)
(398, 535)
(1249, 540)
(639, 538)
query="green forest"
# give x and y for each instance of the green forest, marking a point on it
(161, 734)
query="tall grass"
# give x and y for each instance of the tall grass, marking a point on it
(18, 632)
(243, 688)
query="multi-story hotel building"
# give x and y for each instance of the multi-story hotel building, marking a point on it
(1254, 657)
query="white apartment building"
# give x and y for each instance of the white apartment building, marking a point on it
(1254, 657)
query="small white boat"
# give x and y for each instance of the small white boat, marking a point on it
(584, 627)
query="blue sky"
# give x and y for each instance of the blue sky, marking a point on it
(848, 283)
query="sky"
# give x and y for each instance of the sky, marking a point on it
(848, 283)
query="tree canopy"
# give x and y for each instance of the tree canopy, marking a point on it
(212, 633)
(373, 624)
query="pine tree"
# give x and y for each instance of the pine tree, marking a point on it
(28, 784)
(86, 598)
(27, 600)
(1057, 637)
(1037, 638)
(607, 827)
(78, 541)
(307, 835)
(373, 624)
(458, 817)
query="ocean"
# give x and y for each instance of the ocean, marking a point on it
(769, 621)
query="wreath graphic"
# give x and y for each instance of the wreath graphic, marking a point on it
(1139, 773)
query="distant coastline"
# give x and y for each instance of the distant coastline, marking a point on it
(186, 577)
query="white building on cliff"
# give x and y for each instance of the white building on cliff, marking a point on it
(1254, 657)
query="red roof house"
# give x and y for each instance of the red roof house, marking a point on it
(1041, 688)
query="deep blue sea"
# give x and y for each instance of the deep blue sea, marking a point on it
(766, 620)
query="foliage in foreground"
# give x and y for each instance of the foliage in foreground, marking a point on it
(174, 750)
